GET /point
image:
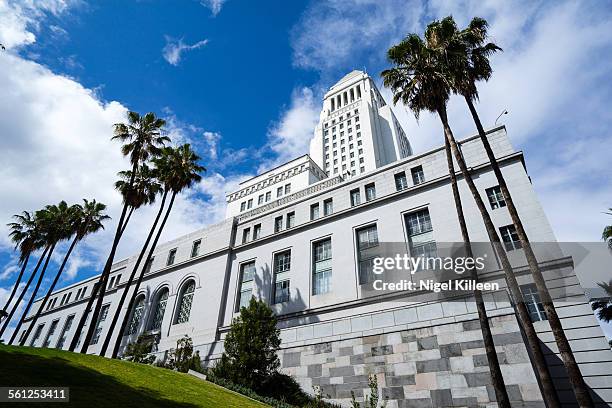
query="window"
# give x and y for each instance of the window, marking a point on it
(246, 235)
(268, 196)
(186, 299)
(322, 267)
(257, 231)
(287, 188)
(355, 197)
(314, 211)
(370, 192)
(279, 191)
(64, 333)
(160, 308)
(171, 257)
(290, 220)
(136, 315)
(282, 265)
(418, 176)
(496, 199)
(149, 265)
(37, 334)
(400, 181)
(278, 224)
(195, 248)
(99, 324)
(247, 273)
(50, 333)
(243, 206)
(533, 303)
(420, 234)
(250, 203)
(328, 206)
(510, 237)
(367, 238)
(260, 199)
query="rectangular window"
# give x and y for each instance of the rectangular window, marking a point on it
(322, 267)
(533, 303)
(496, 199)
(242, 206)
(171, 257)
(247, 274)
(246, 235)
(37, 334)
(99, 325)
(400, 181)
(328, 206)
(314, 211)
(50, 333)
(282, 265)
(260, 199)
(279, 192)
(287, 188)
(510, 237)
(257, 231)
(367, 238)
(278, 224)
(64, 333)
(195, 248)
(249, 204)
(148, 265)
(355, 197)
(370, 192)
(268, 196)
(418, 176)
(290, 220)
(420, 234)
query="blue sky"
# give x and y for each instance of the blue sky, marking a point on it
(243, 82)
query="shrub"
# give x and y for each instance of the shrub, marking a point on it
(372, 400)
(181, 358)
(138, 352)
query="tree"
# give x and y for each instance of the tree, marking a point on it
(25, 235)
(603, 306)
(470, 51)
(606, 235)
(421, 78)
(81, 220)
(142, 137)
(54, 222)
(177, 169)
(146, 188)
(250, 346)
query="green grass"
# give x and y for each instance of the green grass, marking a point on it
(100, 382)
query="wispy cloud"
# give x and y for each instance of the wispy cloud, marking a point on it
(174, 49)
(214, 5)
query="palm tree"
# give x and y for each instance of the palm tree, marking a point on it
(142, 137)
(24, 233)
(148, 188)
(606, 235)
(55, 222)
(81, 221)
(177, 170)
(421, 79)
(603, 306)
(470, 51)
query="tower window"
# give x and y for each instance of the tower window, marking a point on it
(418, 176)
(400, 181)
(496, 199)
(510, 237)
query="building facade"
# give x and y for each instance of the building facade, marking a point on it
(301, 249)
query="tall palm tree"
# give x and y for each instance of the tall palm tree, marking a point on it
(148, 188)
(25, 236)
(606, 235)
(603, 306)
(55, 222)
(470, 51)
(143, 138)
(81, 221)
(421, 79)
(177, 169)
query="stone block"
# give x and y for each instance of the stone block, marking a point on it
(394, 393)
(450, 381)
(291, 359)
(406, 368)
(429, 366)
(478, 379)
(314, 370)
(442, 398)
(361, 323)
(427, 343)
(508, 338)
(357, 359)
(398, 380)
(405, 316)
(322, 348)
(381, 350)
(450, 350)
(341, 371)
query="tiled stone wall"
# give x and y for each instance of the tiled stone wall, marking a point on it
(438, 366)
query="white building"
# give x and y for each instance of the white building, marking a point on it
(299, 246)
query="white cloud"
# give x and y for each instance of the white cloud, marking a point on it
(214, 5)
(212, 141)
(174, 49)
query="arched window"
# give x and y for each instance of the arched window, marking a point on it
(136, 315)
(160, 308)
(185, 302)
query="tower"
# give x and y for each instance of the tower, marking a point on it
(357, 130)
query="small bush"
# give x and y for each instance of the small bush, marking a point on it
(138, 352)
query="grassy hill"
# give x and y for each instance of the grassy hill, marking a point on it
(100, 382)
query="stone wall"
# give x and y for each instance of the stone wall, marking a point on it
(438, 366)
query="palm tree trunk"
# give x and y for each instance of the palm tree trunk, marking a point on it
(111, 329)
(580, 389)
(17, 282)
(548, 390)
(503, 401)
(23, 291)
(101, 281)
(127, 220)
(52, 287)
(32, 298)
(127, 316)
